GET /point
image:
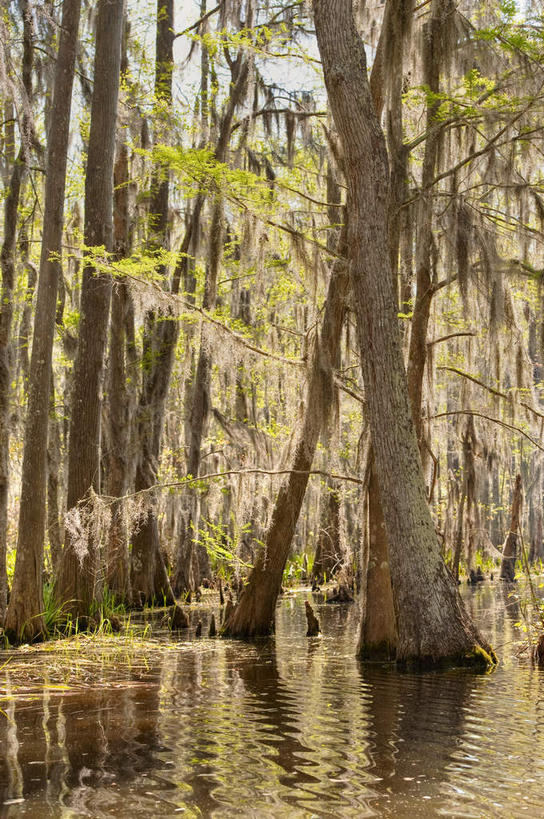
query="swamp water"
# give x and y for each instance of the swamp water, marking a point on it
(296, 728)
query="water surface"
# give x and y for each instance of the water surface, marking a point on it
(295, 728)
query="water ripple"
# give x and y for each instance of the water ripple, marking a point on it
(295, 728)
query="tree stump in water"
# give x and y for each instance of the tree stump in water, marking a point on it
(198, 630)
(213, 629)
(313, 622)
(229, 608)
(510, 548)
(178, 618)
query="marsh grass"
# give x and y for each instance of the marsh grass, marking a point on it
(101, 658)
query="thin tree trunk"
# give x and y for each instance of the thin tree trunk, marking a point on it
(75, 585)
(510, 548)
(7, 264)
(54, 528)
(25, 324)
(432, 623)
(328, 555)
(149, 576)
(118, 433)
(147, 563)
(417, 355)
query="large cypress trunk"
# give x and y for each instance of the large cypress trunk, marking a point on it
(24, 618)
(75, 585)
(432, 623)
(378, 631)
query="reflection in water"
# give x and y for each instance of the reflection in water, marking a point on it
(292, 728)
(416, 725)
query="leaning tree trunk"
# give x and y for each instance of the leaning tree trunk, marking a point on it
(432, 623)
(75, 586)
(254, 615)
(510, 548)
(7, 264)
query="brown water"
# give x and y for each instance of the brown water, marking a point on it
(294, 729)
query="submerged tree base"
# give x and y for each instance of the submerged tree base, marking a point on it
(479, 659)
(384, 651)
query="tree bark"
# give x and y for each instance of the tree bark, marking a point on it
(378, 632)
(417, 354)
(118, 432)
(54, 461)
(510, 548)
(25, 586)
(432, 623)
(25, 324)
(328, 554)
(75, 585)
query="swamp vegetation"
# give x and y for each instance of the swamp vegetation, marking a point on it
(271, 414)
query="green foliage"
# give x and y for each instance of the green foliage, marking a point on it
(54, 614)
(222, 546)
(198, 171)
(294, 572)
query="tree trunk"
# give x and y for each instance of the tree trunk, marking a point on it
(25, 588)
(25, 324)
(118, 432)
(254, 614)
(149, 577)
(432, 623)
(75, 585)
(417, 355)
(328, 554)
(510, 548)
(54, 460)
(378, 632)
